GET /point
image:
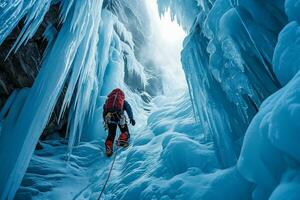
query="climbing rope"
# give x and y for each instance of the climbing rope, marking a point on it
(109, 173)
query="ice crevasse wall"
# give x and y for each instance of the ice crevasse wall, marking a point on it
(81, 62)
(241, 64)
(241, 57)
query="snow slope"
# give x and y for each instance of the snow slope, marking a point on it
(183, 159)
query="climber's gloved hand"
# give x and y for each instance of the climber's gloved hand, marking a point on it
(132, 121)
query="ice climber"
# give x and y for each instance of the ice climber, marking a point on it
(113, 115)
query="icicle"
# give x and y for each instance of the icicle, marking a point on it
(43, 95)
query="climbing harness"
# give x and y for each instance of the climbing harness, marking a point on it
(109, 173)
(115, 118)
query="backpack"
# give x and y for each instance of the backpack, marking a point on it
(115, 101)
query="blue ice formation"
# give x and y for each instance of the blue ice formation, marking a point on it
(236, 55)
(86, 67)
(275, 129)
(233, 132)
(235, 73)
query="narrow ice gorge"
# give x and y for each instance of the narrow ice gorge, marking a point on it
(219, 119)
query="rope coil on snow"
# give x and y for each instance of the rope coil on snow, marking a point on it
(109, 173)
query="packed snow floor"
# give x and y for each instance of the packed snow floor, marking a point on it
(168, 159)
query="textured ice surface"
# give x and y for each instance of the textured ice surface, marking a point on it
(270, 149)
(90, 49)
(233, 57)
(242, 68)
(13, 11)
(184, 12)
(228, 71)
(270, 153)
(168, 159)
(286, 57)
(72, 44)
(49, 176)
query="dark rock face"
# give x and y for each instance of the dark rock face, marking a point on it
(19, 69)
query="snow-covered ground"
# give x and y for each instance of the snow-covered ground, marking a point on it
(166, 158)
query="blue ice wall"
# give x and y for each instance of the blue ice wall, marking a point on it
(271, 141)
(87, 58)
(227, 59)
(241, 60)
(69, 51)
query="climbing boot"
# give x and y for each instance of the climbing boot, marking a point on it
(108, 148)
(123, 140)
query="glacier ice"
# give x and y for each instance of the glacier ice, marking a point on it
(237, 54)
(274, 129)
(73, 62)
(286, 59)
(229, 74)
(183, 11)
(35, 111)
(237, 138)
(12, 13)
